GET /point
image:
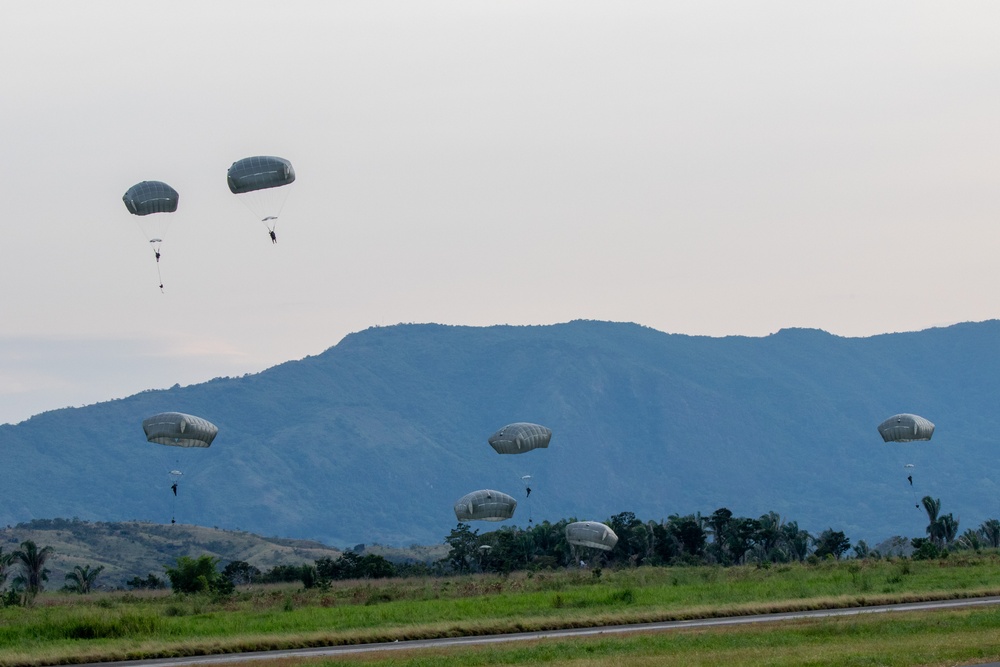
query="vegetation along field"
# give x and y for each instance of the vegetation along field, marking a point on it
(506, 581)
(59, 627)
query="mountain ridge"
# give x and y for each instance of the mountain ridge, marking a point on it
(373, 439)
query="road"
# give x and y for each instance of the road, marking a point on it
(667, 626)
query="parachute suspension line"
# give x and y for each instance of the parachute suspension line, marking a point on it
(526, 480)
(175, 478)
(909, 480)
(265, 205)
(156, 254)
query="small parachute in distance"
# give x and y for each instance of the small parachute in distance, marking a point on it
(179, 430)
(485, 505)
(905, 428)
(591, 534)
(520, 437)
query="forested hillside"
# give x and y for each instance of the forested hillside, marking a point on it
(374, 439)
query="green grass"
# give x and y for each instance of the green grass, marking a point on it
(904, 639)
(63, 628)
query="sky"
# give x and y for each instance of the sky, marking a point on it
(705, 168)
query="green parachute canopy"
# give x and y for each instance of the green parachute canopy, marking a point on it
(591, 534)
(905, 428)
(520, 437)
(260, 172)
(485, 505)
(150, 197)
(179, 430)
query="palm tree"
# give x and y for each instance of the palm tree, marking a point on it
(5, 561)
(947, 529)
(81, 579)
(31, 560)
(991, 532)
(933, 507)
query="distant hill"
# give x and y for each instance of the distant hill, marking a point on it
(374, 439)
(136, 549)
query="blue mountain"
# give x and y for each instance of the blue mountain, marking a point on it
(373, 440)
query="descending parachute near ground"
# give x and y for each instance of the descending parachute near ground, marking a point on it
(485, 505)
(520, 437)
(906, 428)
(179, 430)
(145, 199)
(260, 182)
(591, 534)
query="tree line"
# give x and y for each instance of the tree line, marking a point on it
(720, 538)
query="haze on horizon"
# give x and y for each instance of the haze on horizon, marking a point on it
(712, 168)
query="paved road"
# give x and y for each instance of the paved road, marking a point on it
(553, 634)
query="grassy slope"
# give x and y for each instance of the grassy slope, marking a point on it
(63, 628)
(130, 549)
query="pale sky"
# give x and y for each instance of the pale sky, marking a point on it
(710, 168)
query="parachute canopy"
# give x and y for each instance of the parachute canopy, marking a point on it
(179, 430)
(591, 534)
(520, 437)
(259, 173)
(905, 428)
(150, 197)
(485, 505)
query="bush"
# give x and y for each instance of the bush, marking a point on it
(198, 576)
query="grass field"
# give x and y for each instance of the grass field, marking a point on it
(62, 628)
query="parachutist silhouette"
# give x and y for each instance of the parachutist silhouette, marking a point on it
(157, 253)
(910, 478)
(173, 487)
(274, 239)
(528, 488)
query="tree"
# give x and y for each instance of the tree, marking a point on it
(689, 534)
(990, 530)
(5, 561)
(719, 527)
(151, 582)
(832, 542)
(34, 574)
(933, 507)
(796, 541)
(197, 576)
(632, 537)
(947, 529)
(240, 572)
(351, 566)
(740, 538)
(942, 530)
(81, 579)
(768, 537)
(463, 542)
(971, 539)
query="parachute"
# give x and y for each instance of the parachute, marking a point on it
(905, 428)
(520, 437)
(146, 198)
(150, 197)
(485, 505)
(259, 181)
(591, 534)
(179, 430)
